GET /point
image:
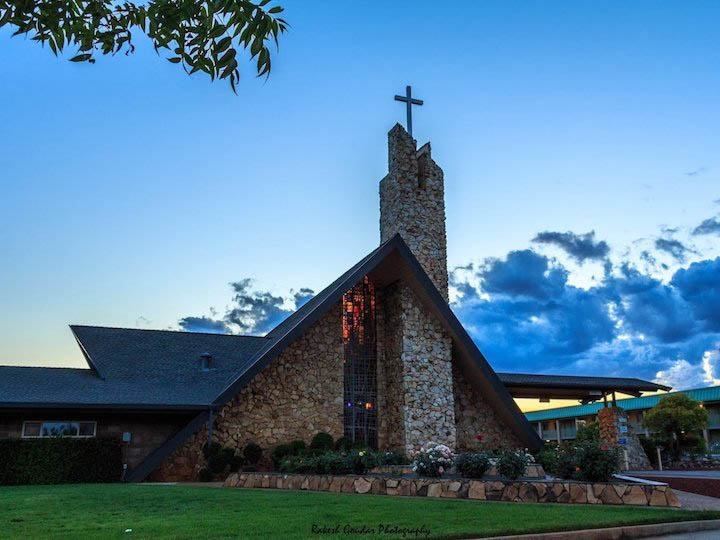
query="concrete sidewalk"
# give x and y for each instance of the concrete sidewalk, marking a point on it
(685, 529)
(693, 501)
(710, 474)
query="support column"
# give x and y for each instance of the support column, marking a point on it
(557, 430)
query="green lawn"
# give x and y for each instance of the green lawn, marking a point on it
(153, 511)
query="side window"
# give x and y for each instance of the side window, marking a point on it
(59, 429)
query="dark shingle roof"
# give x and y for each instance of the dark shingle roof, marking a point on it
(160, 368)
(578, 382)
(147, 368)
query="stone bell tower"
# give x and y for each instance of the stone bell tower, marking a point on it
(415, 379)
(412, 203)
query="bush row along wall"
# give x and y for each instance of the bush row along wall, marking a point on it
(60, 461)
(537, 491)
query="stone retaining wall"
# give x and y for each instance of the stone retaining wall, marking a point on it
(519, 491)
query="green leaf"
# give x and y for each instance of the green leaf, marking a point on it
(81, 58)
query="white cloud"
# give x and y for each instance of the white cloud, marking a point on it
(682, 374)
(710, 361)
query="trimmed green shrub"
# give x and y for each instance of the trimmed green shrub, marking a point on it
(279, 453)
(322, 441)
(60, 461)
(549, 458)
(343, 444)
(588, 460)
(299, 464)
(237, 462)
(210, 450)
(205, 475)
(252, 453)
(473, 465)
(512, 463)
(596, 462)
(331, 463)
(354, 462)
(297, 447)
(391, 457)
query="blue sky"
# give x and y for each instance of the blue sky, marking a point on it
(133, 195)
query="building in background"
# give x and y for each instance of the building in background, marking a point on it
(561, 424)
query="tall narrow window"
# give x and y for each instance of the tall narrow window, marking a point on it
(360, 362)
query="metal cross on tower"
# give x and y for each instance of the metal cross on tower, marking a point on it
(409, 102)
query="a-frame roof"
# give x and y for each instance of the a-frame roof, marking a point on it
(390, 262)
(156, 369)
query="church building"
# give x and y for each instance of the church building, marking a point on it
(377, 357)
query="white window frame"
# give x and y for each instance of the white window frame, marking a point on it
(41, 422)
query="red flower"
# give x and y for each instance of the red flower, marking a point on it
(479, 437)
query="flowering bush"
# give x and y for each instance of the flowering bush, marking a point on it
(512, 463)
(433, 461)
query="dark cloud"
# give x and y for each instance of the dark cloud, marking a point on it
(580, 247)
(523, 273)
(203, 324)
(673, 247)
(525, 316)
(302, 296)
(709, 226)
(699, 285)
(252, 311)
(532, 314)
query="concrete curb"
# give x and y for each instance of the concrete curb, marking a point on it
(621, 533)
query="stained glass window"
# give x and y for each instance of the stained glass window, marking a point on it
(360, 363)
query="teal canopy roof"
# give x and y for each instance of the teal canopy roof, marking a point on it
(711, 393)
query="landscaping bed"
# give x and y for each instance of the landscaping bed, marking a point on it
(544, 491)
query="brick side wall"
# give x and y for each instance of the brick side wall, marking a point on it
(148, 430)
(474, 416)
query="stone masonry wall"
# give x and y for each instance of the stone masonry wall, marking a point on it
(419, 354)
(299, 394)
(417, 349)
(538, 491)
(474, 416)
(412, 203)
(391, 418)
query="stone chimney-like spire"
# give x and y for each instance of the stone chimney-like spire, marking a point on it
(412, 203)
